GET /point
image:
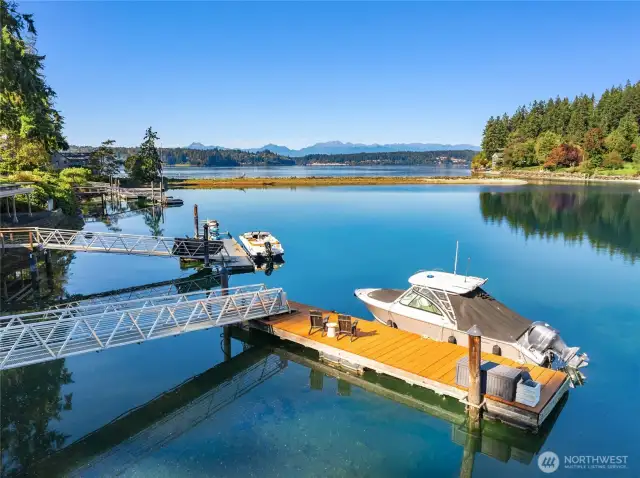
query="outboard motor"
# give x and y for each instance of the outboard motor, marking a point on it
(267, 248)
(214, 229)
(546, 340)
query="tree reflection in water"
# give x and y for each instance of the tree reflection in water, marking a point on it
(31, 402)
(608, 218)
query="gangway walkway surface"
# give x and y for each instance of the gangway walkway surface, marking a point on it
(89, 241)
(51, 334)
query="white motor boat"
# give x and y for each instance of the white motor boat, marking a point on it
(444, 306)
(261, 244)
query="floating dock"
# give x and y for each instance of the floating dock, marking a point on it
(416, 360)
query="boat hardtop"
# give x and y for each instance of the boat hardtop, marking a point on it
(446, 281)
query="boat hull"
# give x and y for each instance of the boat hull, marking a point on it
(261, 251)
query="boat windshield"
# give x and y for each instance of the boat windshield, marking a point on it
(417, 301)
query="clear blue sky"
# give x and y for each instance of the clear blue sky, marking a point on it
(246, 74)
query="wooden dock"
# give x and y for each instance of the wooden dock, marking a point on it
(416, 360)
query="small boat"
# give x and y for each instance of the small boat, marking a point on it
(261, 244)
(444, 306)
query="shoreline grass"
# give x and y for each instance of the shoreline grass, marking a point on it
(323, 181)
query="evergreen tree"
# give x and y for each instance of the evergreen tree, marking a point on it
(594, 147)
(623, 137)
(495, 137)
(145, 166)
(28, 119)
(580, 119)
(636, 151)
(103, 162)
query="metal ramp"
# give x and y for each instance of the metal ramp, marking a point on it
(88, 241)
(42, 336)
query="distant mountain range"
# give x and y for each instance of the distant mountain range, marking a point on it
(338, 147)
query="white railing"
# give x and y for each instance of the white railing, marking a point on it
(88, 241)
(42, 336)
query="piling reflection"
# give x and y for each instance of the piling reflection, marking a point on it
(608, 218)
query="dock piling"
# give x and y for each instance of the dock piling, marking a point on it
(475, 382)
(226, 342)
(196, 228)
(205, 237)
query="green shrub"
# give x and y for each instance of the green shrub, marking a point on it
(58, 187)
(613, 160)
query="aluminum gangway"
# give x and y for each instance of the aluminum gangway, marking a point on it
(51, 334)
(89, 241)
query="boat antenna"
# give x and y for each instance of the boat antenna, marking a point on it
(455, 264)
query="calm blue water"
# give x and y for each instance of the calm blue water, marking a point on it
(563, 254)
(306, 171)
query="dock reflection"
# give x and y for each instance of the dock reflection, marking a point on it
(31, 445)
(495, 440)
(114, 447)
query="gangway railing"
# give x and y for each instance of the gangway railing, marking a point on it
(42, 336)
(89, 241)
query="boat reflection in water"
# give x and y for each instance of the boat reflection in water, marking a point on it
(268, 264)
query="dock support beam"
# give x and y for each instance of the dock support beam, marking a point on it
(196, 228)
(224, 279)
(33, 269)
(205, 237)
(48, 269)
(226, 342)
(15, 216)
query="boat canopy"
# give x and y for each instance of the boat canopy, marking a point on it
(445, 281)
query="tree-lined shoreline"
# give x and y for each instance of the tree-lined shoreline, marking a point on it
(558, 134)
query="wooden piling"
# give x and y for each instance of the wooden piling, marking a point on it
(205, 237)
(475, 380)
(224, 278)
(196, 228)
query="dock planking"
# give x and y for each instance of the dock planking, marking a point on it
(417, 360)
